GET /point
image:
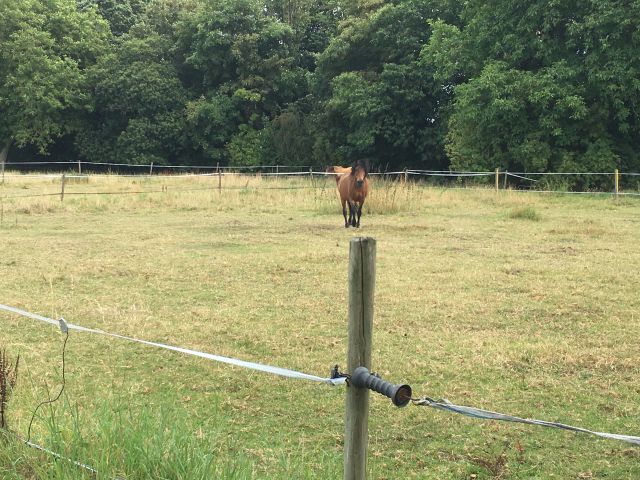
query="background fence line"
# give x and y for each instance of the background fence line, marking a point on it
(525, 181)
(275, 169)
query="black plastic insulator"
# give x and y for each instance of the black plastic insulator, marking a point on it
(400, 395)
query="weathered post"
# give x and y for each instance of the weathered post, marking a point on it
(79, 167)
(617, 182)
(151, 169)
(362, 276)
(219, 177)
(62, 182)
(3, 157)
(497, 179)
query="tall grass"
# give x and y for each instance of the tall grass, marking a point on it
(137, 442)
(119, 440)
(28, 195)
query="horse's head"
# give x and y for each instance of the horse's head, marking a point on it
(359, 171)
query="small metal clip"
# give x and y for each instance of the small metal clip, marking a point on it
(63, 326)
(335, 373)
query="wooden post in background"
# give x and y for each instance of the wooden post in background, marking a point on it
(617, 182)
(504, 184)
(362, 279)
(62, 181)
(79, 167)
(151, 169)
(497, 179)
(219, 177)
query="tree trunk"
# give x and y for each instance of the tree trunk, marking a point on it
(3, 156)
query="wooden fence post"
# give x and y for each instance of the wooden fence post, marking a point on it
(219, 177)
(151, 169)
(617, 182)
(79, 167)
(62, 181)
(497, 179)
(362, 277)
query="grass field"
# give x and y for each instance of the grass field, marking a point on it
(520, 303)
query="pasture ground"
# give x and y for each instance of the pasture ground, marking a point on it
(519, 303)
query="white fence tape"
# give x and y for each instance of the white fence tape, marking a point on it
(283, 372)
(473, 412)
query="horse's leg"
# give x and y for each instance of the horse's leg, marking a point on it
(344, 213)
(359, 215)
(352, 213)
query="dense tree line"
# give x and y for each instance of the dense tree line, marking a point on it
(530, 86)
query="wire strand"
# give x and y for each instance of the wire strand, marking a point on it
(46, 402)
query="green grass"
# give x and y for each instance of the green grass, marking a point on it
(534, 318)
(525, 213)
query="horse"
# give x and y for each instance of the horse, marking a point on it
(353, 188)
(338, 171)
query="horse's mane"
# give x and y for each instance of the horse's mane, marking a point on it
(362, 163)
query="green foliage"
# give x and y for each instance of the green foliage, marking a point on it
(211, 123)
(45, 49)
(290, 137)
(378, 99)
(121, 14)
(525, 213)
(246, 147)
(138, 114)
(546, 86)
(541, 86)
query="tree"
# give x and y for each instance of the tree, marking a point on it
(45, 50)
(138, 113)
(121, 14)
(375, 96)
(243, 59)
(542, 86)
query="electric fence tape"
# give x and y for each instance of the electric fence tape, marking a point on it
(442, 404)
(283, 372)
(447, 406)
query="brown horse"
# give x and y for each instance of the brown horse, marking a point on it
(353, 188)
